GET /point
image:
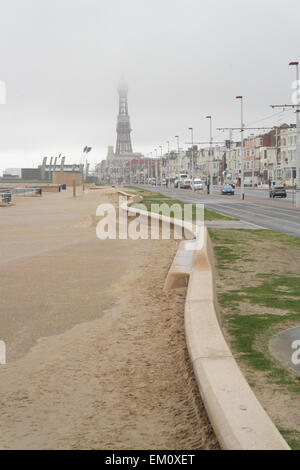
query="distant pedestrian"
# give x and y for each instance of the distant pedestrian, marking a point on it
(208, 187)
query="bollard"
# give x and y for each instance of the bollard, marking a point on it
(74, 188)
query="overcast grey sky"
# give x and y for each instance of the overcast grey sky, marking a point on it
(182, 59)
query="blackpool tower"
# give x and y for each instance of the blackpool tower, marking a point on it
(123, 145)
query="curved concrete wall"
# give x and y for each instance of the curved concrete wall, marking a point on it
(238, 419)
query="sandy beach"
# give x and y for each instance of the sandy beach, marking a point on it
(96, 354)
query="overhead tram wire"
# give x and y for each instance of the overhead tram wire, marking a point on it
(267, 118)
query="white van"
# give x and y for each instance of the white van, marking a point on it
(179, 181)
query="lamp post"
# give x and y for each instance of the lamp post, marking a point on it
(168, 161)
(147, 168)
(156, 167)
(151, 168)
(242, 148)
(144, 169)
(210, 152)
(275, 171)
(192, 169)
(252, 140)
(296, 64)
(161, 156)
(179, 163)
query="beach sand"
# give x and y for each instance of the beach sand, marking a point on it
(96, 354)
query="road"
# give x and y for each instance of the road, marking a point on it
(257, 208)
(262, 195)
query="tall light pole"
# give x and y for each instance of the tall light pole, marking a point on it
(144, 170)
(156, 167)
(210, 152)
(160, 170)
(151, 168)
(275, 171)
(147, 167)
(296, 64)
(168, 158)
(242, 148)
(177, 137)
(192, 137)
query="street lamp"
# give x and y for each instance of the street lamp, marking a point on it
(210, 151)
(192, 136)
(179, 163)
(296, 64)
(156, 167)
(151, 168)
(168, 161)
(242, 149)
(161, 156)
(148, 167)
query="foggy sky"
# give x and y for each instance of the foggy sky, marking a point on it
(62, 61)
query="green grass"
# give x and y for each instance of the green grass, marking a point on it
(249, 330)
(151, 201)
(239, 237)
(157, 198)
(276, 291)
(275, 288)
(269, 290)
(134, 188)
(292, 437)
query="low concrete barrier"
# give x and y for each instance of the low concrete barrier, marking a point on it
(237, 417)
(189, 228)
(180, 271)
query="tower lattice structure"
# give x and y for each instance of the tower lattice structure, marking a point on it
(123, 145)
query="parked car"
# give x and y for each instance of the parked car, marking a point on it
(227, 190)
(179, 180)
(198, 185)
(186, 184)
(278, 191)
